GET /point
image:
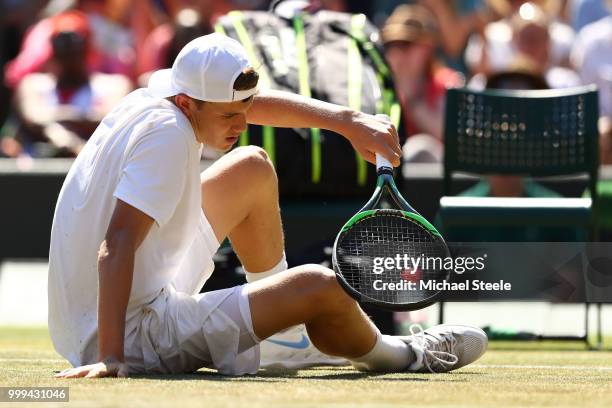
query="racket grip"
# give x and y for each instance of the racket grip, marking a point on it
(380, 160)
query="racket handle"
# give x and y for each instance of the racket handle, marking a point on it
(380, 160)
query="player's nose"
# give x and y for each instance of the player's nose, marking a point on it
(240, 125)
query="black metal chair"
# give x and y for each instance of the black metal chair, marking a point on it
(528, 133)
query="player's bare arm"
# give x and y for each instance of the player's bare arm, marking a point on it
(127, 229)
(366, 133)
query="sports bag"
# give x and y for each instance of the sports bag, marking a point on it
(331, 56)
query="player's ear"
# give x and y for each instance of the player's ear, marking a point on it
(183, 102)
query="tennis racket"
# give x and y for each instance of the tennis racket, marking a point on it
(376, 253)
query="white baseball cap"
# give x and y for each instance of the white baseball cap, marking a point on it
(205, 69)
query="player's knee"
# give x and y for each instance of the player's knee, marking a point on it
(255, 152)
(326, 293)
(243, 168)
(254, 161)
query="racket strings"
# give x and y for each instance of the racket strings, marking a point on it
(363, 254)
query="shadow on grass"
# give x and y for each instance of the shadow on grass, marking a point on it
(330, 373)
(355, 376)
(278, 375)
(203, 376)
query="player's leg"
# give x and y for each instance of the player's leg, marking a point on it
(221, 328)
(240, 200)
(337, 326)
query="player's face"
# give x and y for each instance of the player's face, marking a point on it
(219, 125)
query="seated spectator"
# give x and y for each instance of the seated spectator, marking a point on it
(15, 18)
(532, 44)
(111, 42)
(410, 36)
(531, 39)
(60, 109)
(495, 49)
(592, 57)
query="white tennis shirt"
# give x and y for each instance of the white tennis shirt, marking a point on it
(144, 153)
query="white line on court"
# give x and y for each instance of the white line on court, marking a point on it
(543, 367)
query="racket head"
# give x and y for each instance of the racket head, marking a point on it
(382, 234)
(387, 226)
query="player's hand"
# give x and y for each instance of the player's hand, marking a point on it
(108, 368)
(370, 135)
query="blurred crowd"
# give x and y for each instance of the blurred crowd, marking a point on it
(65, 63)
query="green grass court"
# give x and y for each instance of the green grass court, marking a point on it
(511, 374)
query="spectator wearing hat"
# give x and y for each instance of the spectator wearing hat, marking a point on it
(411, 37)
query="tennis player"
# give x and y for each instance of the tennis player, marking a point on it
(136, 226)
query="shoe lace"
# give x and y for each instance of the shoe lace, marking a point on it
(439, 349)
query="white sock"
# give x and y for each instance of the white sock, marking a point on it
(389, 354)
(279, 267)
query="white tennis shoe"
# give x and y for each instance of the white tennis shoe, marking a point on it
(445, 347)
(292, 349)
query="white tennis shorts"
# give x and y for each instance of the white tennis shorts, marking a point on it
(181, 330)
